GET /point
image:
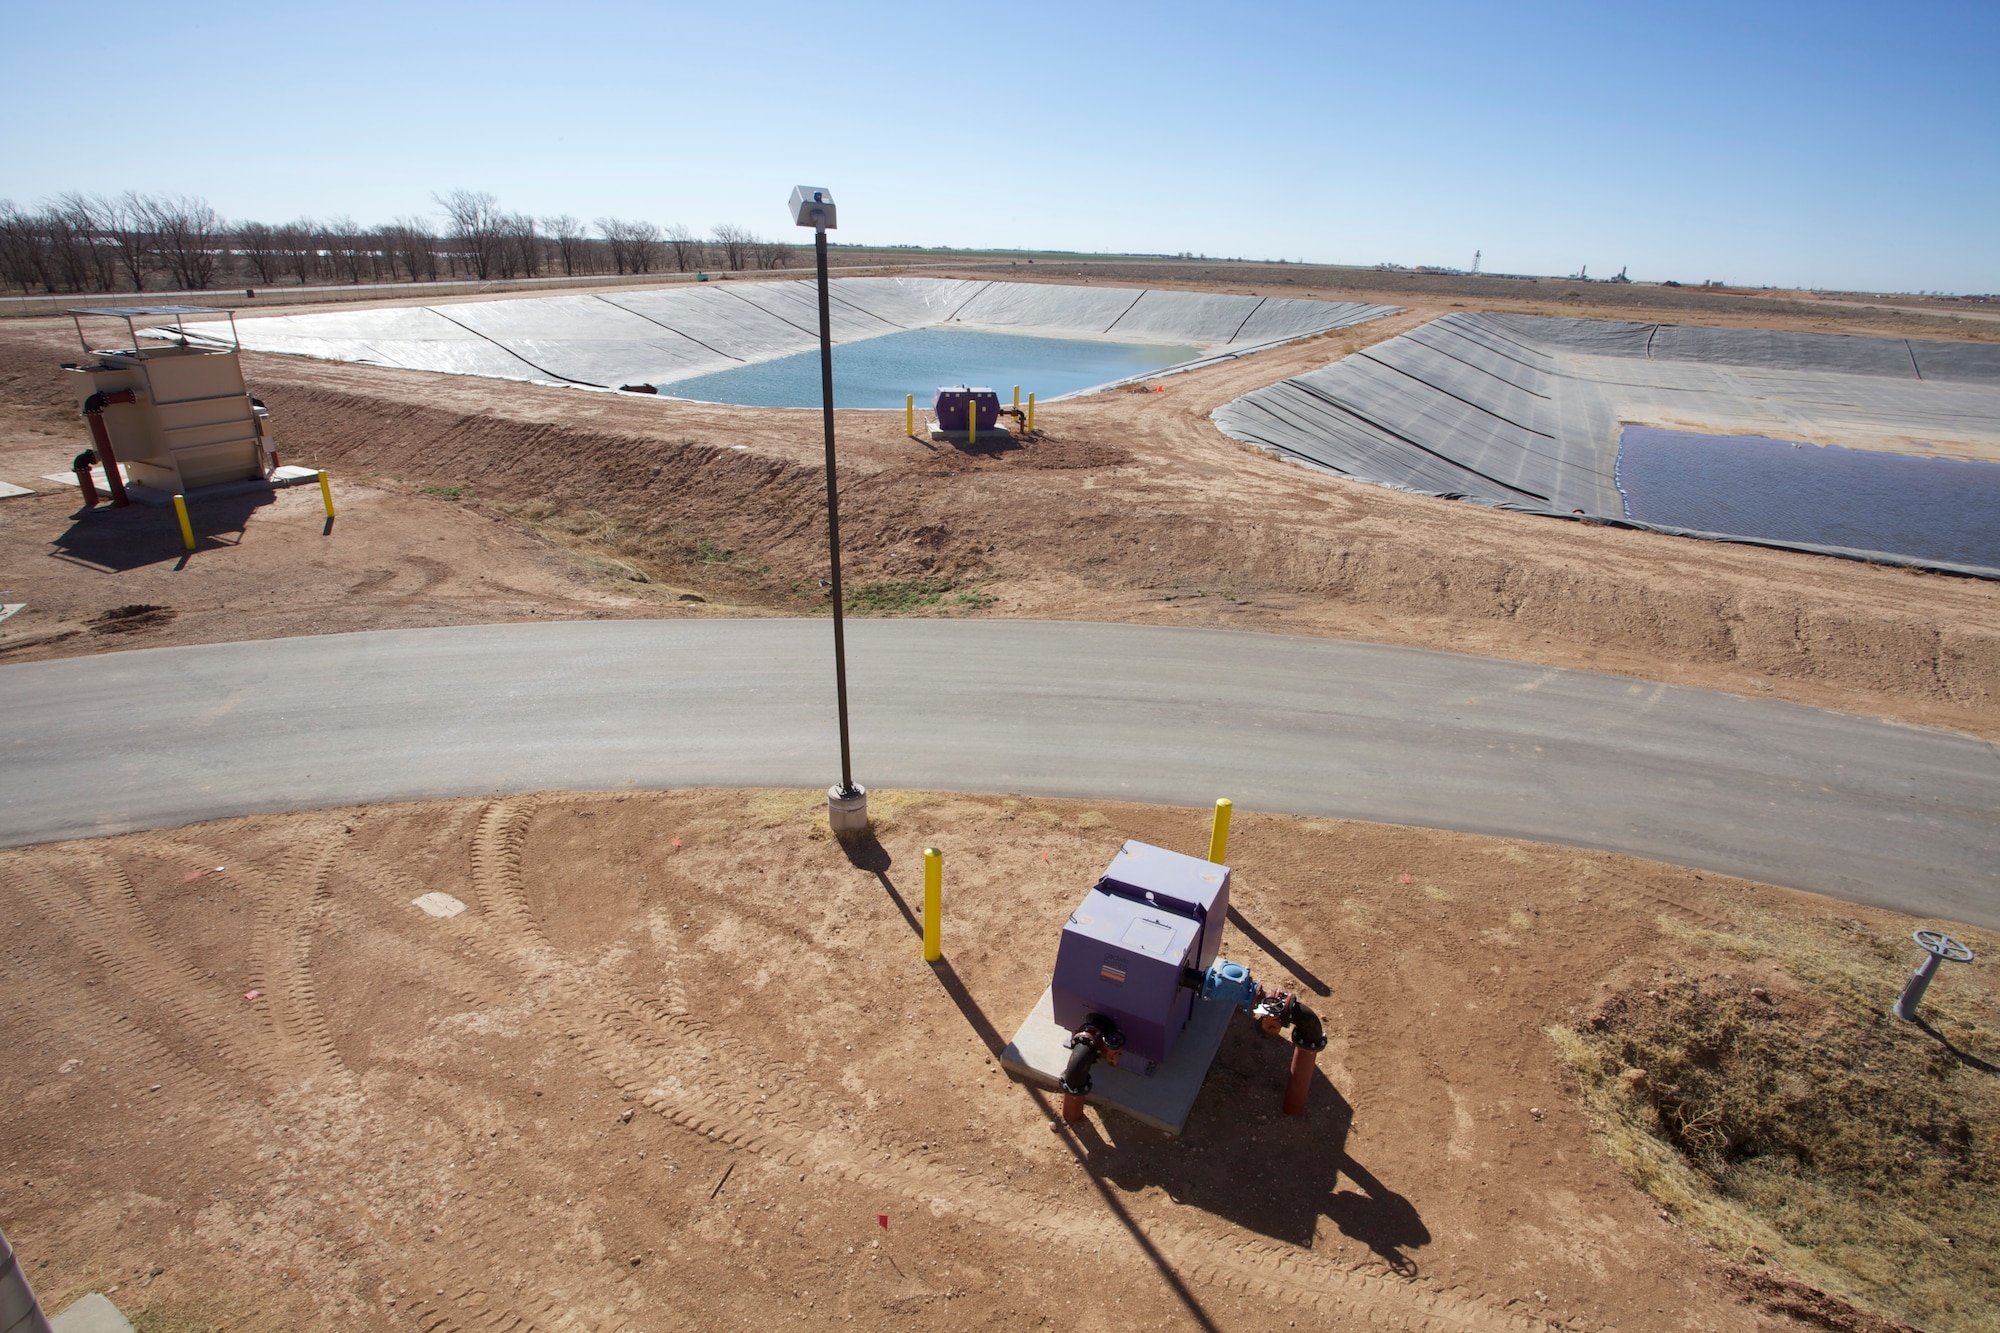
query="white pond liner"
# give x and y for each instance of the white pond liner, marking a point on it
(605, 340)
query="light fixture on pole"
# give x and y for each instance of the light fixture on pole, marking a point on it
(846, 804)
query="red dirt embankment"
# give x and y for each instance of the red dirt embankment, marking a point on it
(1130, 507)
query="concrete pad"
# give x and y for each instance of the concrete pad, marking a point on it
(439, 904)
(10, 608)
(987, 434)
(92, 1313)
(8, 489)
(96, 475)
(1161, 1098)
(140, 493)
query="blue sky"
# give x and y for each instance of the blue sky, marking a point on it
(1829, 145)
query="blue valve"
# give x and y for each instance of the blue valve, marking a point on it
(1229, 982)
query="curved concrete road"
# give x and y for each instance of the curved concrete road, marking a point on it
(1875, 812)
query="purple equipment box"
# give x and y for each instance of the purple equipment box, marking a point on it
(1126, 949)
(951, 404)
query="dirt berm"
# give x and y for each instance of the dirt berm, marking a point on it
(1130, 506)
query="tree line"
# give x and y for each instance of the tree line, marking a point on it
(136, 242)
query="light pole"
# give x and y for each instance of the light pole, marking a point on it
(846, 804)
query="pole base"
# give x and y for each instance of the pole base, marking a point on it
(847, 816)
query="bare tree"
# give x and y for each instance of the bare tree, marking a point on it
(417, 242)
(298, 243)
(687, 247)
(69, 262)
(773, 254)
(475, 224)
(520, 249)
(127, 222)
(341, 249)
(24, 249)
(90, 260)
(257, 242)
(648, 253)
(614, 232)
(570, 237)
(736, 244)
(190, 239)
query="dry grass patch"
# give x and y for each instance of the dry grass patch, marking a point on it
(1761, 1091)
(658, 553)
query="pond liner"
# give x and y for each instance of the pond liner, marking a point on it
(661, 335)
(1523, 413)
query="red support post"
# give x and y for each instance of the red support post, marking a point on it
(1303, 1062)
(109, 457)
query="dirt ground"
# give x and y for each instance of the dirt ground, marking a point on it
(467, 499)
(679, 1054)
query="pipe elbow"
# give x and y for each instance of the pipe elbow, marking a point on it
(1076, 1076)
(1308, 1032)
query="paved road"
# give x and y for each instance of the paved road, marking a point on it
(1878, 813)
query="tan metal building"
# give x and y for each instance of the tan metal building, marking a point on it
(176, 412)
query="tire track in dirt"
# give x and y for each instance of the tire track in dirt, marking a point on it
(110, 926)
(231, 1116)
(468, 1298)
(643, 1049)
(107, 921)
(286, 903)
(288, 916)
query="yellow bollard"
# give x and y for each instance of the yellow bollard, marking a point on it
(1017, 397)
(933, 904)
(910, 415)
(1218, 838)
(971, 420)
(325, 493)
(1031, 411)
(187, 528)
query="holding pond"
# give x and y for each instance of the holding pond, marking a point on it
(1942, 509)
(878, 372)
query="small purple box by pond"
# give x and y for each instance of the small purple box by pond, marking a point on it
(952, 403)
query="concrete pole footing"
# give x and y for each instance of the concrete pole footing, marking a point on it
(847, 815)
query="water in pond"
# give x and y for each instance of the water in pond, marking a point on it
(877, 372)
(1943, 509)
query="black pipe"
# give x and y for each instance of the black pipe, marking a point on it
(1098, 1037)
(1307, 1031)
(1076, 1078)
(97, 402)
(81, 465)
